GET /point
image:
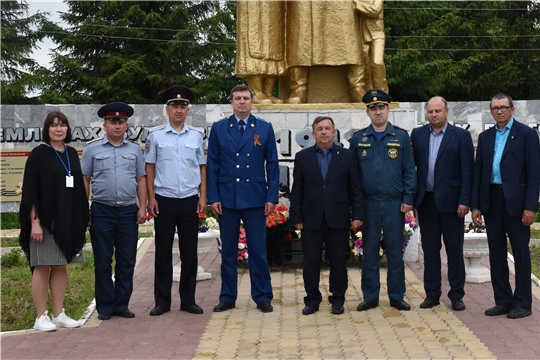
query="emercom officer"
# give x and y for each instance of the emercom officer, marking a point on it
(388, 180)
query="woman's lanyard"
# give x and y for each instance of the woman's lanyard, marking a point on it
(69, 178)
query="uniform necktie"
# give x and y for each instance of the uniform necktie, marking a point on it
(324, 163)
(242, 123)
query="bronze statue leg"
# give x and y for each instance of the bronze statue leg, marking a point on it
(378, 73)
(255, 82)
(268, 89)
(356, 75)
(299, 77)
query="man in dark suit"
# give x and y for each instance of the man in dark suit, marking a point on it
(505, 191)
(444, 157)
(243, 183)
(326, 186)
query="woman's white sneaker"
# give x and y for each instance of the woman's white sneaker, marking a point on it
(43, 323)
(65, 321)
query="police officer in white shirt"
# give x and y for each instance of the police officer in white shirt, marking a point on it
(176, 180)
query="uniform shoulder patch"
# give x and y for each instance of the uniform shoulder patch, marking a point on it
(260, 119)
(93, 141)
(195, 129)
(159, 127)
(397, 127)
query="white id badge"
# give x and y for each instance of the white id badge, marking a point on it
(69, 181)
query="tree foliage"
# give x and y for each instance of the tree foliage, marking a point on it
(20, 34)
(462, 50)
(133, 50)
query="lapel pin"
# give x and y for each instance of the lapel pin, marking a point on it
(252, 125)
(230, 125)
(338, 152)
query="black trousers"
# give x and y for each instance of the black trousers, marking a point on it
(433, 224)
(176, 214)
(499, 223)
(336, 242)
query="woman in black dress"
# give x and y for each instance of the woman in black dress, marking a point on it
(54, 216)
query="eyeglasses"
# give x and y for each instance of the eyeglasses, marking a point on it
(502, 109)
(377, 107)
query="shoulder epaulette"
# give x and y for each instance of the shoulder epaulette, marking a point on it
(159, 127)
(93, 141)
(260, 119)
(363, 129)
(222, 119)
(195, 129)
(397, 127)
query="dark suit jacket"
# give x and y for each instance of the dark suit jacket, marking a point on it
(311, 194)
(520, 169)
(454, 167)
(243, 170)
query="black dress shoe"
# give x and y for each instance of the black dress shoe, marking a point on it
(518, 313)
(429, 303)
(400, 304)
(457, 304)
(498, 310)
(194, 309)
(104, 316)
(158, 310)
(367, 304)
(125, 314)
(308, 309)
(337, 309)
(265, 307)
(223, 306)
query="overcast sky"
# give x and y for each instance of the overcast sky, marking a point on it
(53, 7)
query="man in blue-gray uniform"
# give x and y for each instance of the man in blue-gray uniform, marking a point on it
(243, 182)
(388, 180)
(115, 167)
(176, 176)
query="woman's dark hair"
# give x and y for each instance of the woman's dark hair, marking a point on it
(49, 120)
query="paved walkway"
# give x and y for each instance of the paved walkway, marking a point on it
(246, 333)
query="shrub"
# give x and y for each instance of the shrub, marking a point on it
(14, 258)
(9, 221)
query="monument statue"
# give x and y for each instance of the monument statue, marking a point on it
(324, 33)
(374, 41)
(331, 50)
(260, 46)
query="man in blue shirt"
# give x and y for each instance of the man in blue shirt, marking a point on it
(505, 191)
(444, 157)
(176, 179)
(115, 166)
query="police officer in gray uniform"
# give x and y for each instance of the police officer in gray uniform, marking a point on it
(176, 175)
(115, 167)
(388, 179)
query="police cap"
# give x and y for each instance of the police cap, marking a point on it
(177, 95)
(115, 111)
(376, 96)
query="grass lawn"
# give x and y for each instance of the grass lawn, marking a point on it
(18, 311)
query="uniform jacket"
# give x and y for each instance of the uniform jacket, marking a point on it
(387, 165)
(336, 195)
(520, 169)
(242, 170)
(454, 167)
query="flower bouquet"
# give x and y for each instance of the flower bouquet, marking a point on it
(278, 231)
(472, 228)
(208, 222)
(408, 231)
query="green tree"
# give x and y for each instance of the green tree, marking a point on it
(20, 34)
(133, 50)
(464, 50)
